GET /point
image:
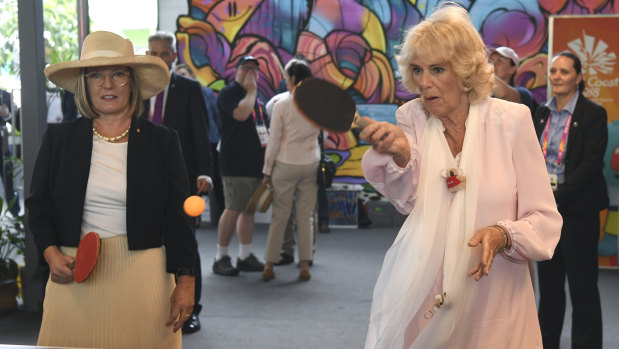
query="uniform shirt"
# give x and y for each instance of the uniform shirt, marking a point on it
(558, 119)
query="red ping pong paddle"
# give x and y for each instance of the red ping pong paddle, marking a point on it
(86, 257)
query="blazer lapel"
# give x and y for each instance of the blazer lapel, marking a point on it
(540, 120)
(170, 100)
(82, 155)
(576, 124)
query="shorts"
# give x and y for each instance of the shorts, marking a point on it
(238, 191)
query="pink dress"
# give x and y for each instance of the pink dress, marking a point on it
(515, 193)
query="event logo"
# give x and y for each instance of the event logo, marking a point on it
(594, 57)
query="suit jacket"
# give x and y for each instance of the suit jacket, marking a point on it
(185, 112)
(156, 188)
(584, 188)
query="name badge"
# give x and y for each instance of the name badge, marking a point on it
(263, 134)
(554, 181)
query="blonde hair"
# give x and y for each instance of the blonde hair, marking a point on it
(448, 37)
(84, 104)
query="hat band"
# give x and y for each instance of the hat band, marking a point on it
(104, 54)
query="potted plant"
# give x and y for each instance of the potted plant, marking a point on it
(12, 243)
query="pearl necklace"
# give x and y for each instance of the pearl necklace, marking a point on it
(110, 139)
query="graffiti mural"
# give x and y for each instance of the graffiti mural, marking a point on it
(351, 43)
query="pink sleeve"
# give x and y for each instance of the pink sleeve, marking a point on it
(397, 184)
(536, 232)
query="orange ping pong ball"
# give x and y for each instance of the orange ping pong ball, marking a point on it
(194, 206)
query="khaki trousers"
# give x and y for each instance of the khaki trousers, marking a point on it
(292, 184)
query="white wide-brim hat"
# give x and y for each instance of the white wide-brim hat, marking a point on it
(103, 48)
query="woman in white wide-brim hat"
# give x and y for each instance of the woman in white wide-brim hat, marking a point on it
(124, 178)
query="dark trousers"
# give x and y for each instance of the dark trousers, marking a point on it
(575, 257)
(216, 194)
(323, 206)
(197, 307)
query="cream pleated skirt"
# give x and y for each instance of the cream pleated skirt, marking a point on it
(123, 304)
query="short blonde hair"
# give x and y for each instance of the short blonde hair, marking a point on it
(84, 104)
(448, 37)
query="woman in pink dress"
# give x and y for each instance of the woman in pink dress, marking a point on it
(469, 172)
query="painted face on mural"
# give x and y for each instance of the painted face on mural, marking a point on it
(229, 16)
(563, 77)
(439, 88)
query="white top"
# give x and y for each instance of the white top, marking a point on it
(105, 204)
(271, 103)
(292, 139)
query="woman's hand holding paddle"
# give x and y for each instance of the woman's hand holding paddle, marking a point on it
(386, 138)
(60, 265)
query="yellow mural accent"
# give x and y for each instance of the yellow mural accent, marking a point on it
(373, 31)
(229, 16)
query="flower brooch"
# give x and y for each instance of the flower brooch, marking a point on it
(439, 300)
(454, 178)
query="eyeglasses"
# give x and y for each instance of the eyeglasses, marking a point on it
(119, 78)
(162, 55)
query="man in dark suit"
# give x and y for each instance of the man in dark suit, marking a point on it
(181, 107)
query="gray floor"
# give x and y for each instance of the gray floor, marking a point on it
(329, 311)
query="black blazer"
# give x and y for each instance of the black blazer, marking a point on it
(185, 112)
(156, 189)
(584, 188)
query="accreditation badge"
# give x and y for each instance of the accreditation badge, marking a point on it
(554, 181)
(263, 134)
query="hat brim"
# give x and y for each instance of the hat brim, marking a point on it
(152, 74)
(243, 61)
(260, 200)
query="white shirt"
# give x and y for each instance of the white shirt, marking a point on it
(105, 204)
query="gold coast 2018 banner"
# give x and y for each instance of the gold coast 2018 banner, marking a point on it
(595, 41)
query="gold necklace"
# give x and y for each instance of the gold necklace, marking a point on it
(110, 139)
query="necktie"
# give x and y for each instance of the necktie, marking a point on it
(157, 114)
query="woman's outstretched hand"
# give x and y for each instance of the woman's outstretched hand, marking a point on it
(492, 241)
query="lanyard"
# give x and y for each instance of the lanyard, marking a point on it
(561, 151)
(253, 112)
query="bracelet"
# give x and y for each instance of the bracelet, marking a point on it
(505, 238)
(185, 271)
